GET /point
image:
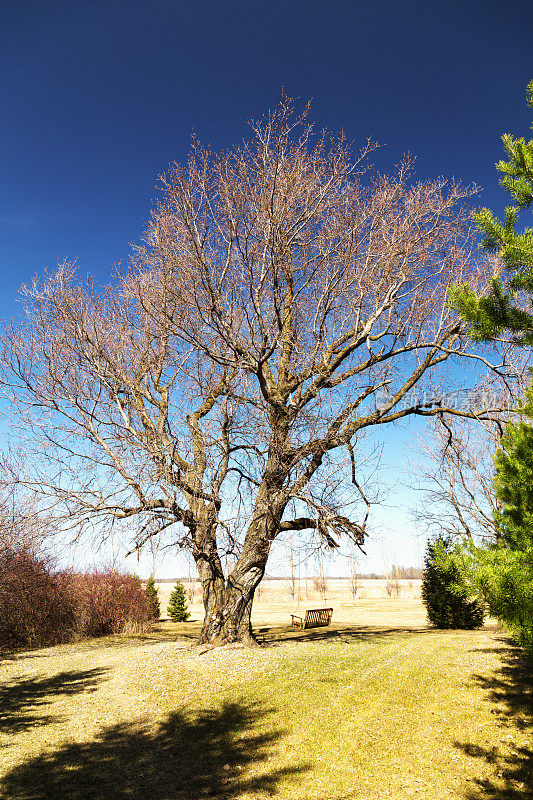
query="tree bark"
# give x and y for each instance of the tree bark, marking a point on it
(228, 603)
(211, 575)
(228, 618)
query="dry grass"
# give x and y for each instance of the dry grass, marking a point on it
(378, 706)
(273, 591)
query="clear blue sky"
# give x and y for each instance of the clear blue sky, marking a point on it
(97, 98)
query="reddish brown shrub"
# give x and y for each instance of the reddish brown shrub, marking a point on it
(41, 606)
(35, 605)
(106, 601)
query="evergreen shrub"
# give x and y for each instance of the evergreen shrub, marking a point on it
(447, 601)
(177, 604)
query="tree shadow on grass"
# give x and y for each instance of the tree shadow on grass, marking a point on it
(511, 689)
(276, 635)
(220, 753)
(23, 699)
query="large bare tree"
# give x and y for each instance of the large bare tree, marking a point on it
(123, 423)
(281, 306)
(456, 480)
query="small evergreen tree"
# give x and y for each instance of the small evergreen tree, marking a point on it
(177, 604)
(502, 573)
(447, 602)
(153, 598)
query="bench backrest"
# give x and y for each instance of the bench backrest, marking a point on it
(317, 616)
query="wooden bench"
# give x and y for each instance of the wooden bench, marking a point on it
(314, 618)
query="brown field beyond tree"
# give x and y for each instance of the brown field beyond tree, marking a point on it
(281, 596)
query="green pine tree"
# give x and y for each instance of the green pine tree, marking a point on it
(153, 598)
(508, 568)
(513, 481)
(503, 573)
(497, 312)
(447, 601)
(177, 604)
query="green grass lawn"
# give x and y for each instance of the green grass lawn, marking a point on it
(329, 714)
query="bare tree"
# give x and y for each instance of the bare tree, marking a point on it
(280, 307)
(122, 423)
(21, 527)
(354, 574)
(392, 586)
(455, 476)
(191, 582)
(322, 292)
(21, 524)
(456, 480)
(292, 584)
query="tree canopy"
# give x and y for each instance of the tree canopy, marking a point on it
(285, 301)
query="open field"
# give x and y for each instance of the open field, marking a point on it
(377, 706)
(283, 593)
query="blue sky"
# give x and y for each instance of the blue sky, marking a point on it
(97, 98)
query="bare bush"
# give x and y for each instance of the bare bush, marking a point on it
(108, 602)
(41, 606)
(36, 607)
(392, 587)
(320, 585)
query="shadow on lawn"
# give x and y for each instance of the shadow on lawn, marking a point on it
(22, 700)
(511, 687)
(111, 642)
(275, 635)
(184, 758)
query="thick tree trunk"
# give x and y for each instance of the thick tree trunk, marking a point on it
(211, 575)
(228, 604)
(229, 621)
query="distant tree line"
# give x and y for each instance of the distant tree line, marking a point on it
(405, 573)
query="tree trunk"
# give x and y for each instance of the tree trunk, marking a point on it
(211, 574)
(229, 620)
(228, 604)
